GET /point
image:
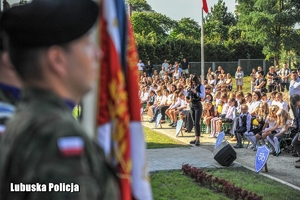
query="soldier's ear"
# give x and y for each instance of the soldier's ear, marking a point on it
(6, 60)
(56, 60)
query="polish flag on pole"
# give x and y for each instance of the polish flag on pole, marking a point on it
(204, 6)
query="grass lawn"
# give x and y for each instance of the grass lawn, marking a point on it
(268, 188)
(173, 185)
(157, 140)
(246, 86)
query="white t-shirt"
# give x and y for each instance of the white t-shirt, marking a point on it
(283, 127)
(163, 100)
(145, 96)
(183, 103)
(283, 105)
(176, 104)
(140, 66)
(176, 75)
(225, 108)
(271, 123)
(166, 66)
(158, 99)
(253, 105)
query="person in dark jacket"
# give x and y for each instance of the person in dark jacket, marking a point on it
(196, 93)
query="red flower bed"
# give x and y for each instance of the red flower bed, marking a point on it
(219, 185)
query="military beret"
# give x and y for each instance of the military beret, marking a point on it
(43, 23)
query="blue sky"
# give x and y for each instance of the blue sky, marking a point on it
(177, 9)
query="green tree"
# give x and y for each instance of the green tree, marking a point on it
(270, 23)
(147, 22)
(219, 12)
(186, 28)
(139, 5)
(158, 37)
(218, 23)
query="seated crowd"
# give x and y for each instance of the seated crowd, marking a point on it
(257, 116)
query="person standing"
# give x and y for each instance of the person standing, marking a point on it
(43, 143)
(165, 65)
(260, 82)
(149, 69)
(270, 76)
(171, 70)
(253, 79)
(294, 88)
(259, 68)
(162, 73)
(239, 75)
(196, 93)
(295, 101)
(185, 66)
(141, 67)
(285, 74)
(177, 71)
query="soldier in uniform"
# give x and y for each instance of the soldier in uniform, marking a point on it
(50, 48)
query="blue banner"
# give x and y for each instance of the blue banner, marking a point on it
(220, 138)
(261, 157)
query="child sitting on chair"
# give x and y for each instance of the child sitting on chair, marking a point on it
(244, 125)
(284, 122)
(209, 112)
(213, 121)
(228, 118)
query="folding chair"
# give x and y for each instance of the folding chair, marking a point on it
(157, 122)
(179, 127)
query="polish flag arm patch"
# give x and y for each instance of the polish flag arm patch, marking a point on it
(71, 146)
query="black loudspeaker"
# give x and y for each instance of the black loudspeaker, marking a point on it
(224, 154)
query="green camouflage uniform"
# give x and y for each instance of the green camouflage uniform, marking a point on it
(30, 152)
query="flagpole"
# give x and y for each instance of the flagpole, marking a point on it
(202, 47)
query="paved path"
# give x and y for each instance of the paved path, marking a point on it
(169, 159)
(280, 168)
